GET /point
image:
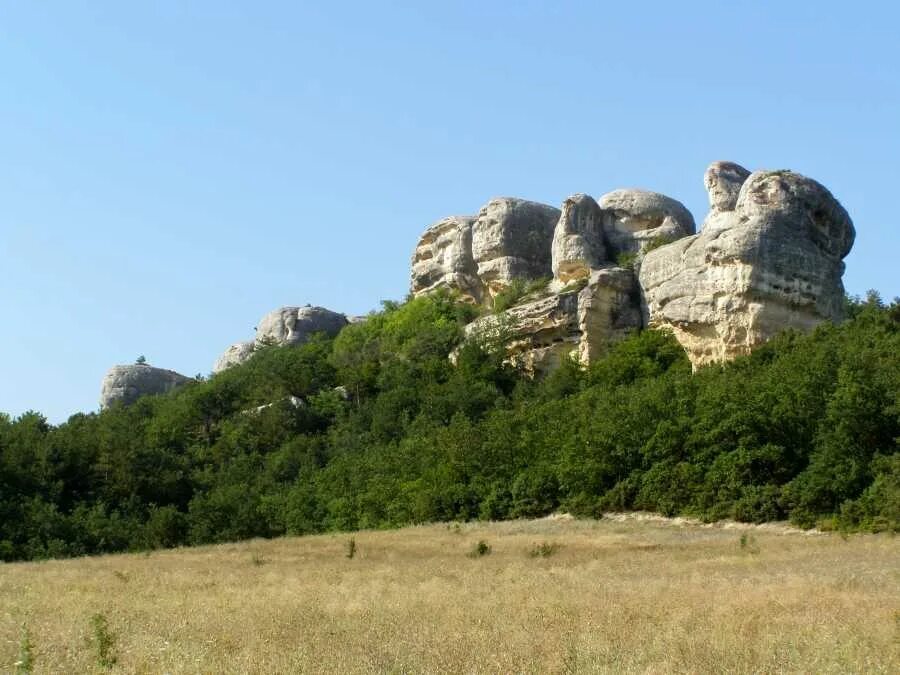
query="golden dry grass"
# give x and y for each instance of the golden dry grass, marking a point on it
(626, 596)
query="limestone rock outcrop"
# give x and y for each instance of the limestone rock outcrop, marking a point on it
(512, 239)
(580, 323)
(295, 325)
(281, 327)
(634, 219)
(723, 182)
(235, 355)
(768, 258)
(578, 241)
(443, 259)
(591, 301)
(128, 383)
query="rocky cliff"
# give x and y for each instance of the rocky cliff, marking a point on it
(768, 258)
(128, 383)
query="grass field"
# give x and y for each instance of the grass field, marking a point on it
(552, 595)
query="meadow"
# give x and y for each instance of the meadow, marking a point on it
(619, 594)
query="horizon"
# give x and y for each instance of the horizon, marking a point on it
(173, 173)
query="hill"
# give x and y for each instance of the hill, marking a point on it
(376, 428)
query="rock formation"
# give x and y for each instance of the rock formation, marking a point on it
(295, 325)
(281, 327)
(591, 301)
(128, 383)
(511, 239)
(578, 241)
(579, 321)
(443, 259)
(235, 355)
(767, 258)
(634, 219)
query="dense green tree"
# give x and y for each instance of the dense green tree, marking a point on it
(399, 420)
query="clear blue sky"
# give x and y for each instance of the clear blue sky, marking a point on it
(170, 171)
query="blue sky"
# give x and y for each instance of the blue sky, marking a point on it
(170, 171)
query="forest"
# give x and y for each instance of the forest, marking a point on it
(390, 431)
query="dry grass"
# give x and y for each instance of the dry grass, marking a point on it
(610, 596)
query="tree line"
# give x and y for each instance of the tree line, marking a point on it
(391, 432)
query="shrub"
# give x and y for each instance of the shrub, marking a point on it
(543, 550)
(103, 641)
(480, 549)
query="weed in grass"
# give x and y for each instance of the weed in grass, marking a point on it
(482, 548)
(25, 662)
(748, 543)
(351, 548)
(103, 641)
(258, 560)
(544, 550)
(120, 575)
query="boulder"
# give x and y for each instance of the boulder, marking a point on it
(635, 220)
(772, 260)
(512, 239)
(443, 259)
(723, 182)
(295, 325)
(578, 239)
(235, 355)
(128, 383)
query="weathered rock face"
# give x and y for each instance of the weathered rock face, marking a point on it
(128, 383)
(295, 325)
(767, 260)
(723, 182)
(281, 327)
(512, 239)
(591, 301)
(633, 219)
(235, 355)
(443, 259)
(578, 239)
(579, 323)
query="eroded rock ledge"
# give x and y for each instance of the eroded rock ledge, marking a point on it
(768, 257)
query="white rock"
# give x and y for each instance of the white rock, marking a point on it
(443, 259)
(634, 219)
(512, 239)
(295, 325)
(578, 239)
(771, 263)
(235, 355)
(128, 383)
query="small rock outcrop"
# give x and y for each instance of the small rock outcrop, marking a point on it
(635, 219)
(295, 325)
(282, 327)
(768, 258)
(235, 355)
(512, 239)
(579, 321)
(128, 383)
(443, 259)
(578, 241)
